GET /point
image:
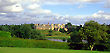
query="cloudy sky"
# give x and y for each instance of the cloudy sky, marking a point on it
(54, 11)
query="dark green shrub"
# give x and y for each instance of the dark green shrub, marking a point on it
(35, 34)
(76, 46)
(49, 34)
(100, 47)
(69, 40)
(50, 31)
(64, 39)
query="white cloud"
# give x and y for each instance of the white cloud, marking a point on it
(81, 3)
(33, 6)
(40, 11)
(101, 17)
(101, 14)
(34, 13)
(21, 6)
(3, 13)
(69, 1)
(67, 21)
(10, 6)
(14, 8)
(91, 1)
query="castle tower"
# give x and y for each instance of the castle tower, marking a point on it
(48, 23)
(58, 27)
(52, 26)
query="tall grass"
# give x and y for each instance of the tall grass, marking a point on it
(29, 43)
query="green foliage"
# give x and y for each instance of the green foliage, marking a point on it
(32, 25)
(75, 41)
(64, 39)
(36, 34)
(4, 28)
(62, 30)
(95, 36)
(75, 37)
(25, 31)
(76, 46)
(72, 28)
(5, 34)
(93, 32)
(50, 31)
(69, 27)
(50, 34)
(108, 31)
(57, 33)
(17, 42)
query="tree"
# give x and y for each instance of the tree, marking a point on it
(75, 37)
(75, 41)
(36, 34)
(94, 33)
(15, 30)
(26, 31)
(70, 27)
(62, 30)
(108, 31)
(32, 25)
(4, 28)
(50, 31)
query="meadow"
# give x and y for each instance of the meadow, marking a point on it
(31, 43)
(44, 50)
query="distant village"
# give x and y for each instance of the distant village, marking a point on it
(55, 27)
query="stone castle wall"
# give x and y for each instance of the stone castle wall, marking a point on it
(48, 27)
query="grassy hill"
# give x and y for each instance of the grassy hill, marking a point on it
(44, 50)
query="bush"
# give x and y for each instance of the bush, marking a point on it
(49, 34)
(50, 31)
(37, 35)
(99, 47)
(5, 34)
(17, 42)
(76, 46)
(64, 39)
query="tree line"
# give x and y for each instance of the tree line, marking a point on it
(25, 31)
(92, 36)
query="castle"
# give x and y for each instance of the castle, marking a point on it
(55, 27)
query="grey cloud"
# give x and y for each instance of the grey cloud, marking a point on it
(107, 4)
(69, 1)
(101, 17)
(44, 19)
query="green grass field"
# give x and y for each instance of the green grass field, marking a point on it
(44, 50)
